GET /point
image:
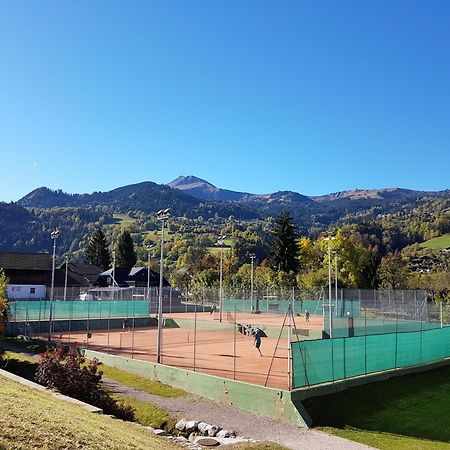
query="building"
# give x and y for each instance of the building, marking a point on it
(134, 277)
(30, 275)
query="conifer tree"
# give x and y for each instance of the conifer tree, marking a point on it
(126, 254)
(284, 251)
(97, 250)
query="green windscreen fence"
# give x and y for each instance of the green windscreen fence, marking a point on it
(327, 360)
(24, 310)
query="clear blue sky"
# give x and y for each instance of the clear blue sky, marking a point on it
(254, 96)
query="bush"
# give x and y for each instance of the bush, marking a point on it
(67, 372)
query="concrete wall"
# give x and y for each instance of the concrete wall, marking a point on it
(250, 397)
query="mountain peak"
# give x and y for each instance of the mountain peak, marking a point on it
(204, 190)
(189, 182)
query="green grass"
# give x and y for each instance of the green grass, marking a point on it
(137, 382)
(148, 414)
(438, 242)
(410, 412)
(32, 419)
(123, 219)
(18, 364)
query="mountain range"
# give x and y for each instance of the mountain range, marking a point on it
(24, 225)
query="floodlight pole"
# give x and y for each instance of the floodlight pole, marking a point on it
(149, 247)
(65, 278)
(162, 216)
(252, 257)
(336, 281)
(113, 273)
(330, 314)
(54, 235)
(220, 242)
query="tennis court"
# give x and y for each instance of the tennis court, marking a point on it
(209, 346)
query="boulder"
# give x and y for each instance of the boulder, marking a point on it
(160, 432)
(203, 427)
(213, 430)
(190, 426)
(181, 425)
(223, 434)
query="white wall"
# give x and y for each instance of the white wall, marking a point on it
(23, 291)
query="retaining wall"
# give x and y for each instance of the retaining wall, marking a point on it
(250, 397)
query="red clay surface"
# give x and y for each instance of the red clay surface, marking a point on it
(223, 353)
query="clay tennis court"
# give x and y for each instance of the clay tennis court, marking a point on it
(221, 352)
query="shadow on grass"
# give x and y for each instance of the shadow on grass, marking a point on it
(24, 369)
(413, 405)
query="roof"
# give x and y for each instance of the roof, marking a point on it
(82, 272)
(25, 261)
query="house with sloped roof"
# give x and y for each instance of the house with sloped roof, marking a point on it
(134, 277)
(30, 274)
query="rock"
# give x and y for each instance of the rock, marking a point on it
(203, 427)
(191, 426)
(213, 430)
(223, 434)
(181, 425)
(181, 439)
(192, 437)
(206, 441)
(160, 432)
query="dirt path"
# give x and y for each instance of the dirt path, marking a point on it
(245, 423)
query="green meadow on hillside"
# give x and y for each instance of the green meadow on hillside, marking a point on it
(438, 242)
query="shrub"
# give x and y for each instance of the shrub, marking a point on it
(3, 301)
(67, 372)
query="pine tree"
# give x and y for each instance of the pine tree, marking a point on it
(97, 250)
(126, 254)
(284, 251)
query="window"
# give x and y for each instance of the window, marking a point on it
(32, 290)
(16, 289)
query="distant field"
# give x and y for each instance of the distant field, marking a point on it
(216, 250)
(439, 242)
(123, 219)
(410, 412)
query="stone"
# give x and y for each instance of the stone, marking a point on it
(206, 441)
(181, 425)
(191, 425)
(203, 427)
(181, 439)
(223, 434)
(160, 432)
(192, 437)
(213, 430)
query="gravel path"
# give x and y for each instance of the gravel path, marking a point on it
(245, 423)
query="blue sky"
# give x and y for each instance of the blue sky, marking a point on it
(255, 96)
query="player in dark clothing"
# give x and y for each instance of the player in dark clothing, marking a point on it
(257, 335)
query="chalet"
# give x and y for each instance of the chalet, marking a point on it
(84, 274)
(134, 277)
(30, 274)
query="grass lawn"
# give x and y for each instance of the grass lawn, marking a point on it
(439, 242)
(31, 419)
(137, 382)
(148, 414)
(410, 412)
